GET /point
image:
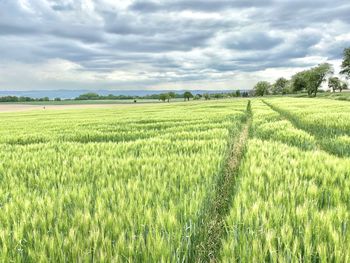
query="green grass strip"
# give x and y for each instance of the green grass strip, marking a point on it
(207, 242)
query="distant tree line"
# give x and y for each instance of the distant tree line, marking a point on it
(21, 99)
(165, 97)
(95, 96)
(308, 81)
(222, 95)
(161, 96)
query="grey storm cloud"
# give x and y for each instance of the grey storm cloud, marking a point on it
(253, 41)
(171, 40)
(197, 5)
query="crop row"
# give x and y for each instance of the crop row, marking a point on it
(328, 121)
(292, 199)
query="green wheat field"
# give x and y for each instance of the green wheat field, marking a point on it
(140, 184)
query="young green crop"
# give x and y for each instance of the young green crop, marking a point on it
(324, 117)
(133, 183)
(109, 185)
(292, 199)
(327, 120)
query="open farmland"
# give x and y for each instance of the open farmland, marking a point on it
(127, 184)
(292, 198)
(166, 183)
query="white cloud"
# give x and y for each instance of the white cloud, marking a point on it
(197, 44)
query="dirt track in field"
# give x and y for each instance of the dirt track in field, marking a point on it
(24, 107)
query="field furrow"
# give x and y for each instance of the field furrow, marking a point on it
(207, 241)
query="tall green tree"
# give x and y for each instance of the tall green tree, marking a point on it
(334, 83)
(188, 95)
(316, 76)
(197, 97)
(345, 66)
(164, 96)
(299, 81)
(312, 79)
(343, 86)
(262, 88)
(279, 86)
(172, 95)
(288, 88)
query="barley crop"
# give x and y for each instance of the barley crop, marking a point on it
(292, 199)
(109, 185)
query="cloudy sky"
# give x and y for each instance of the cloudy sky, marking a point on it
(165, 44)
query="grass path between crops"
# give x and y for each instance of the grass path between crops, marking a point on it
(292, 119)
(209, 239)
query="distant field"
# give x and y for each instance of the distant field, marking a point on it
(74, 102)
(345, 95)
(177, 182)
